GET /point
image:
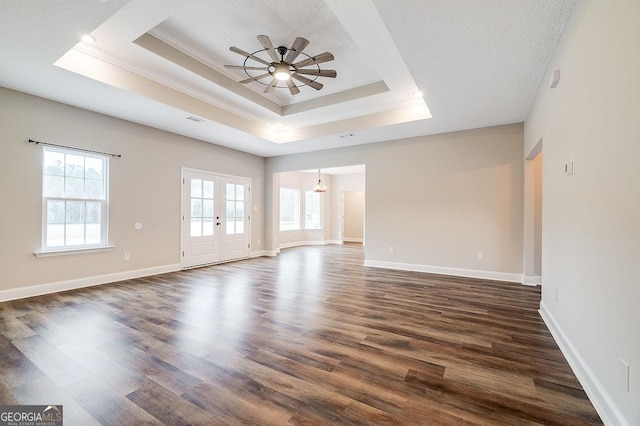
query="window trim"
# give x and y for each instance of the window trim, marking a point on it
(64, 251)
(104, 211)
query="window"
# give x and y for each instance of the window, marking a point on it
(289, 209)
(312, 210)
(74, 199)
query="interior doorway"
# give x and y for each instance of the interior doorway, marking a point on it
(353, 216)
(533, 216)
(537, 217)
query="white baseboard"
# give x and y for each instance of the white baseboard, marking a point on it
(599, 397)
(532, 280)
(309, 243)
(352, 240)
(263, 253)
(40, 289)
(458, 272)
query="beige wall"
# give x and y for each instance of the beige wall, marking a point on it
(144, 187)
(437, 200)
(353, 216)
(341, 184)
(591, 227)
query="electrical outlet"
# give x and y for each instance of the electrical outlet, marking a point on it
(390, 249)
(624, 375)
(127, 255)
(480, 255)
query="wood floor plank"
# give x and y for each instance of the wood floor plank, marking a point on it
(50, 360)
(14, 328)
(106, 406)
(147, 365)
(308, 337)
(6, 396)
(237, 405)
(45, 392)
(121, 379)
(170, 408)
(15, 367)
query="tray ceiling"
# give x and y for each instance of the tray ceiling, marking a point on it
(159, 62)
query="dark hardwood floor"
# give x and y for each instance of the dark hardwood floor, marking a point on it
(308, 337)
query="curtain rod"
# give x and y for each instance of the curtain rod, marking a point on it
(77, 149)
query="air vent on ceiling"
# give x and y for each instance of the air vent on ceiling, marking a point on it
(347, 135)
(195, 119)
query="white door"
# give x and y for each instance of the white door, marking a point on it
(215, 218)
(234, 242)
(200, 218)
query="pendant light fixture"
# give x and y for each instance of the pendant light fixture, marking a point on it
(320, 187)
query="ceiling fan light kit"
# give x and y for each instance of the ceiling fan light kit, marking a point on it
(281, 71)
(282, 67)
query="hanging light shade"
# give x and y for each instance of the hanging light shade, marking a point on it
(319, 186)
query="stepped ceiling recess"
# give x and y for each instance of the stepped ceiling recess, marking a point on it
(404, 69)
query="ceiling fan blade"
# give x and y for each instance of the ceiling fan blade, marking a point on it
(240, 67)
(320, 73)
(258, 77)
(271, 86)
(266, 43)
(298, 46)
(248, 55)
(292, 87)
(318, 59)
(307, 81)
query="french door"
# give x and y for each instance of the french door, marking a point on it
(215, 218)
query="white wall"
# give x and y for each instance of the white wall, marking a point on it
(144, 187)
(437, 200)
(590, 221)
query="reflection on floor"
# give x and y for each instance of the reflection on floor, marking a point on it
(310, 336)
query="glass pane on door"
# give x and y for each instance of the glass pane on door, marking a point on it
(235, 209)
(202, 208)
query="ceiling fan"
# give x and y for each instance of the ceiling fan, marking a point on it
(282, 68)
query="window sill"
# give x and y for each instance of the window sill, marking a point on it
(67, 251)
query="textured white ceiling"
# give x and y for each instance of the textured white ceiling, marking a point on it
(478, 64)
